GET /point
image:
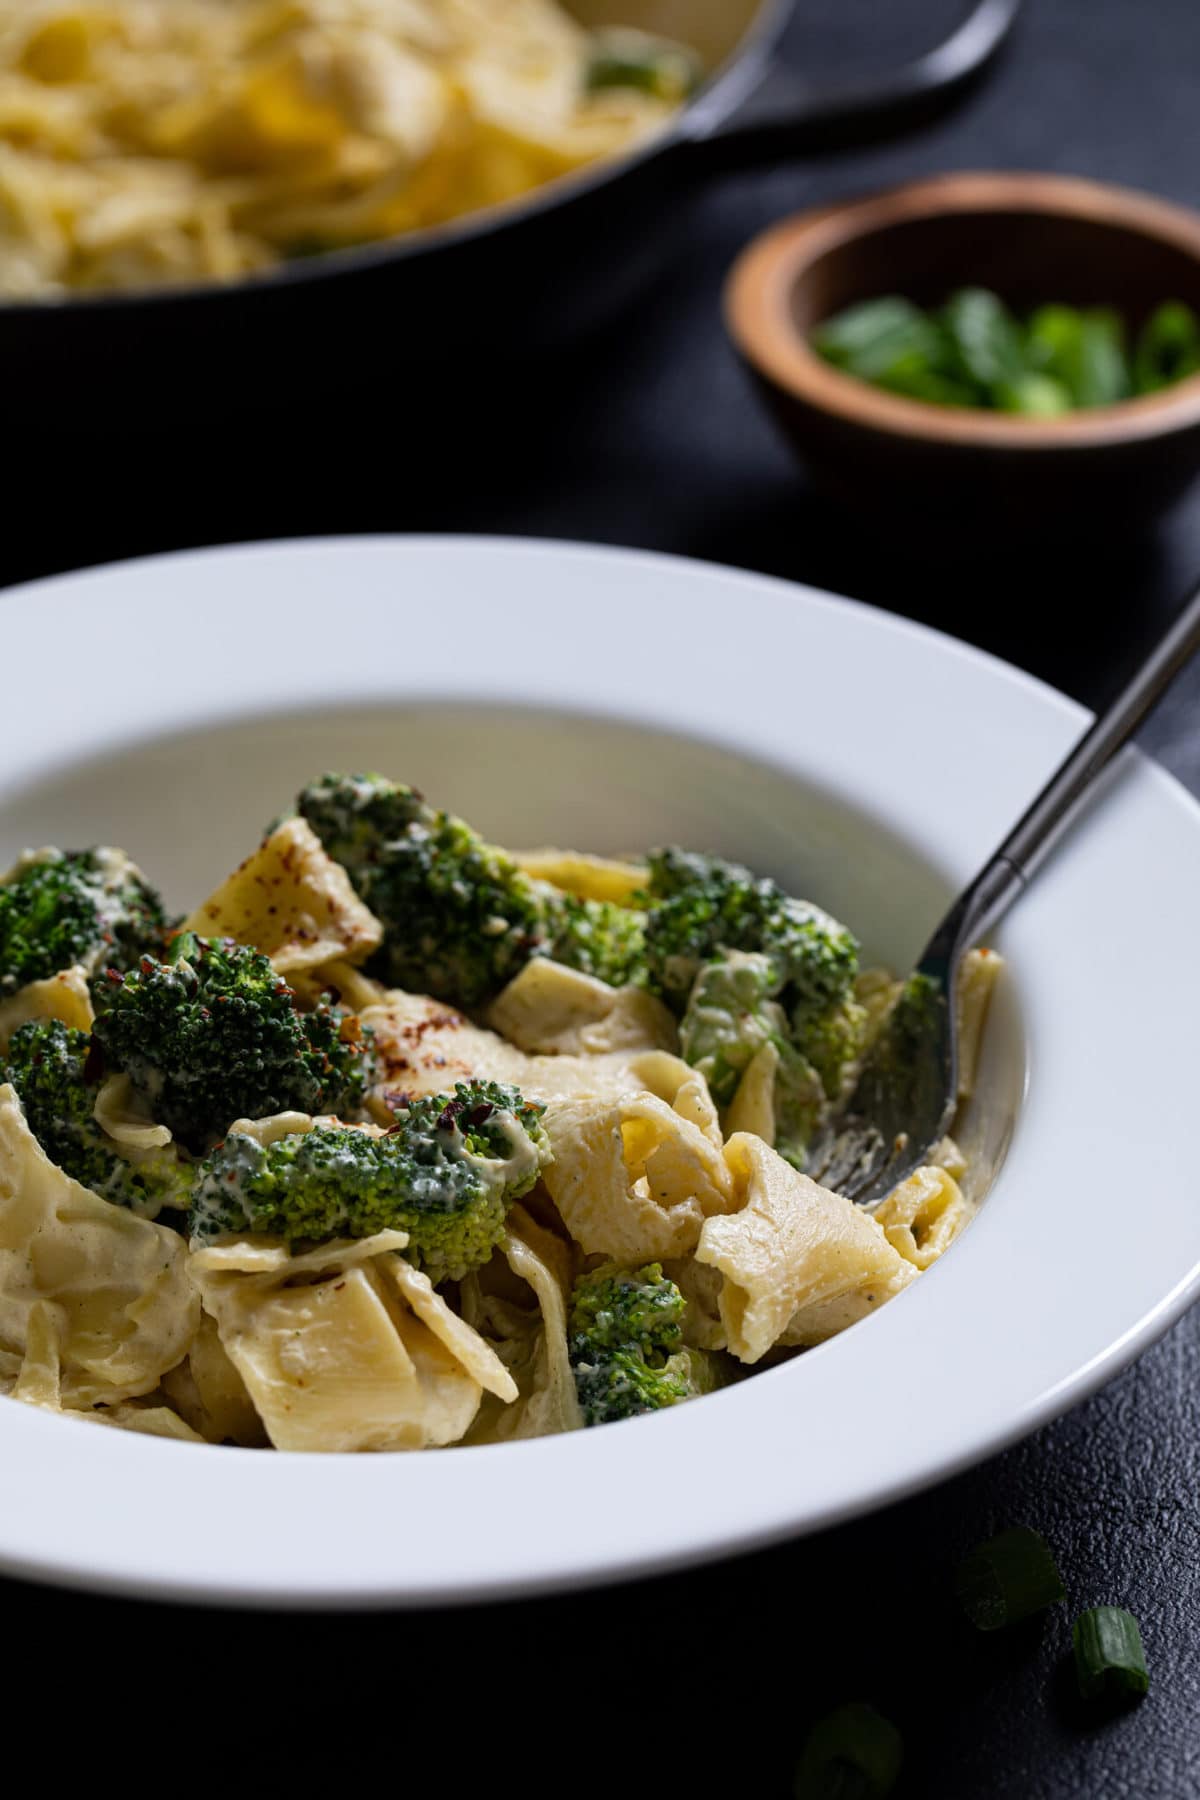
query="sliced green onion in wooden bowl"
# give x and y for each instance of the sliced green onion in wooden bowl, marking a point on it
(1014, 356)
(973, 351)
(626, 58)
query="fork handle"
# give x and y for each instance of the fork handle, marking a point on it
(1037, 832)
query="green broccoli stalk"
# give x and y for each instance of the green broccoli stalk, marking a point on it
(730, 1017)
(447, 1174)
(460, 917)
(51, 1068)
(626, 1345)
(216, 1035)
(87, 907)
(703, 905)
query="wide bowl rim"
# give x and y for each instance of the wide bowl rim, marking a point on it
(759, 288)
(562, 1506)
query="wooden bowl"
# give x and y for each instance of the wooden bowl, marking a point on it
(1032, 238)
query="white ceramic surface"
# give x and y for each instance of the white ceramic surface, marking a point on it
(612, 699)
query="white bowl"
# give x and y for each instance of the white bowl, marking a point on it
(609, 700)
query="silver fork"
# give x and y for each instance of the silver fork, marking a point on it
(907, 1091)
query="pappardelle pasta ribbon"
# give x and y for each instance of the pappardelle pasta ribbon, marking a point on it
(399, 1141)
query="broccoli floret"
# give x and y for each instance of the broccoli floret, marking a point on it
(729, 1018)
(357, 816)
(626, 1345)
(87, 907)
(830, 1040)
(215, 1035)
(908, 1024)
(901, 1086)
(599, 938)
(730, 1015)
(51, 1069)
(704, 905)
(800, 1105)
(460, 917)
(446, 1173)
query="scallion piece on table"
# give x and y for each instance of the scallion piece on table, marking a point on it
(852, 1754)
(1008, 1578)
(1110, 1663)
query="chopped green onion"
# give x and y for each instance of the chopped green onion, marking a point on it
(1084, 350)
(1103, 375)
(853, 1754)
(973, 351)
(916, 383)
(1110, 1663)
(1036, 396)
(311, 244)
(1052, 341)
(630, 59)
(875, 339)
(985, 339)
(1168, 347)
(1010, 1577)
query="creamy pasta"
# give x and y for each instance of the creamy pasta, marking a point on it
(152, 142)
(398, 1141)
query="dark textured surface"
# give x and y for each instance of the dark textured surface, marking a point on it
(651, 437)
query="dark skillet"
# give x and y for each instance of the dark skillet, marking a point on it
(507, 281)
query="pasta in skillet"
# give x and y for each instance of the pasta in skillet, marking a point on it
(398, 1141)
(149, 142)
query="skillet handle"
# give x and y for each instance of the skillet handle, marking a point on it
(788, 118)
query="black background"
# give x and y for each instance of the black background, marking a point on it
(649, 436)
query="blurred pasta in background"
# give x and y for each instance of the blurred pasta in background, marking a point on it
(150, 142)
